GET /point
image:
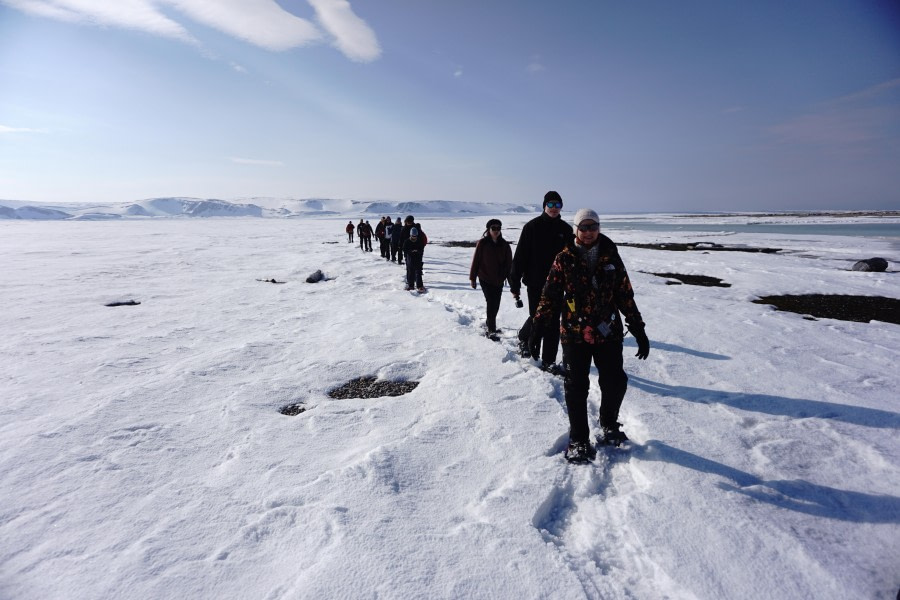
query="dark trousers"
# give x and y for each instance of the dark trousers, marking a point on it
(550, 335)
(385, 248)
(492, 294)
(613, 381)
(414, 269)
(366, 243)
(362, 243)
(395, 252)
(350, 236)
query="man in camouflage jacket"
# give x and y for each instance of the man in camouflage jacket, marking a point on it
(588, 283)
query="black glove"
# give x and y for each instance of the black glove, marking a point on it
(643, 343)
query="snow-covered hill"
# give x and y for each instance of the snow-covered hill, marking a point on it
(182, 207)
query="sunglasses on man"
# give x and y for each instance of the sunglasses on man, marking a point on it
(554, 205)
(590, 227)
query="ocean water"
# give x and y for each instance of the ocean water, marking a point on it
(877, 230)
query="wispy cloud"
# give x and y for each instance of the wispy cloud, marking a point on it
(458, 72)
(536, 65)
(263, 23)
(352, 35)
(854, 121)
(7, 129)
(256, 161)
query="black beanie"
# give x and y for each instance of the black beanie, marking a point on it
(552, 196)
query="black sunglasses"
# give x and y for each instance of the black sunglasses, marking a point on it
(554, 205)
(591, 227)
(495, 228)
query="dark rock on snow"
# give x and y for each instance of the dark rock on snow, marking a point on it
(878, 265)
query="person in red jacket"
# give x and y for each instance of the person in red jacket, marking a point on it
(349, 229)
(491, 264)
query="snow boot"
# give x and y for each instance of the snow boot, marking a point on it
(612, 435)
(580, 452)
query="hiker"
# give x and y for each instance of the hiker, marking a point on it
(380, 233)
(386, 242)
(349, 229)
(541, 240)
(360, 232)
(491, 264)
(408, 224)
(396, 251)
(589, 285)
(412, 248)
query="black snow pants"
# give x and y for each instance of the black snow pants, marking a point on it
(492, 295)
(613, 381)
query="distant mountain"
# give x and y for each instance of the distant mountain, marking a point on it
(262, 207)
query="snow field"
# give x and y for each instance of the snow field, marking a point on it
(142, 453)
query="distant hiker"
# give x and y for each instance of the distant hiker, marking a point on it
(381, 234)
(588, 283)
(541, 240)
(491, 264)
(349, 229)
(408, 224)
(368, 237)
(388, 234)
(396, 250)
(412, 248)
(360, 231)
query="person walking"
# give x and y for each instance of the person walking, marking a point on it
(589, 285)
(491, 265)
(542, 238)
(396, 250)
(368, 236)
(360, 233)
(388, 232)
(412, 248)
(349, 229)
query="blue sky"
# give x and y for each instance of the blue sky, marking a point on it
(622, 106)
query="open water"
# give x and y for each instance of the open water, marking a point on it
(876, 230)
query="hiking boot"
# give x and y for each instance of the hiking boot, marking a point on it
(421, 290)
(612, 435)
(552, 368)
(408, 288)
(524, 352)
(580, 452)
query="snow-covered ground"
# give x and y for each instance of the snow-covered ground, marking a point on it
(143, 455)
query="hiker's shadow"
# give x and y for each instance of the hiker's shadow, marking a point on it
(656, 345)
(795, 494)
(774, 405)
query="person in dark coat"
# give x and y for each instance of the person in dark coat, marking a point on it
(396, 251)
(388, 233)
(491, 264)
(412, 248)
(360, 233)
(408, 224)
(349, 229)
(541, 240)
(589, 285)
(368, 237)
(380, 236)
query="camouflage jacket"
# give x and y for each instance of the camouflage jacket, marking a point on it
(588, 298)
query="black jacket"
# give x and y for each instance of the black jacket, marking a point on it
(542, 239)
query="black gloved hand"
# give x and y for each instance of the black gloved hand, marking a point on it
(642, 341)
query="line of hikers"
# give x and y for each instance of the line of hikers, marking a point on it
(397, 242)
(578, 292)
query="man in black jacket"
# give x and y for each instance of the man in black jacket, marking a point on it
(541, 240)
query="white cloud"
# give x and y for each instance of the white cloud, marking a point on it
(458, 72)
(7, 129)
(256, 161)
(263, 23)
(352, 35)
(142, 15)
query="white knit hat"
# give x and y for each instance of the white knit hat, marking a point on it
(585, 214)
